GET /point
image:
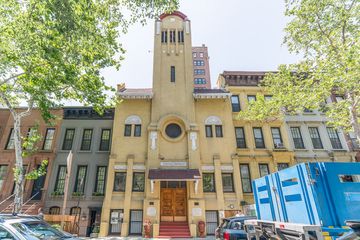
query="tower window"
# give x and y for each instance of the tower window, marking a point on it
(172, 36)
(181, 36)
(164, 36)
(172, 73)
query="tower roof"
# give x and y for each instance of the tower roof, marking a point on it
(175, 13)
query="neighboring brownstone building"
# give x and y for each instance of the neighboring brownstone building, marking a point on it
(34, 189)
(201, 67)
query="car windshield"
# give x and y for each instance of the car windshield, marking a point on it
(224, 223)
(40, 230)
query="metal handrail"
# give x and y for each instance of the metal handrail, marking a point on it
(30, 198)
(7, 198)
(34, 204)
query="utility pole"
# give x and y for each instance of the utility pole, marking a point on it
(66, 187)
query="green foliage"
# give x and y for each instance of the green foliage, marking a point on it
(56, 226)
(40, 171)
(29, 142)
(57, 193)
(98, 194)
(327, 34)
(51, 51)
(96, 229)
(77, 194)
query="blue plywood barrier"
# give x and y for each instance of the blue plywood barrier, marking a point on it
(325, 194)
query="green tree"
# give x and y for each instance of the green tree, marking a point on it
(327, 34)
(53, 50)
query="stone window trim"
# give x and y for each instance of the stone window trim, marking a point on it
(100, 181)
(48, 139)
(251, 98)
(277, 137)
(334, 138)
(115, 226)
(213, 123)
(172, 74)
(3, 174)
(132, 122)
(54, 210)
(232, 189)
(219, 131)
(135, 186)
(86, 139)
(266, 165)
(235, 103)
(297, 137)
(212, 188)
(246, 178)
(259, 140)
(315, 137)
(68, 139)
(208, 131)
(119, 176)
(79, 187)
(75, 211)
(10, 141)
(240, 137)
(105, 139)
(60, 179)
(282, 165)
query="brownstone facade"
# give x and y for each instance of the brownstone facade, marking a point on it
(34, 190)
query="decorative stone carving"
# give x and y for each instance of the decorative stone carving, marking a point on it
(213, 120)
(208, 168)
(173, 164)
(193, 138)
(151, 211)
(133, 119)
(153, 137)
(139, 167)
(196, 212)
(120, 167)
(228, 168)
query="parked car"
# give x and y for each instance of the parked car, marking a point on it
(26, 227)
(232, 228)
(354, 233)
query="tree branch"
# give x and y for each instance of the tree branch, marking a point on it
(8, 104)
(11, 78)
(326, 35)
(28, 110)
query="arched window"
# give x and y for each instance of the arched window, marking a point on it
(213, 123)
(132, 122)
(54, 210)
(75, 211)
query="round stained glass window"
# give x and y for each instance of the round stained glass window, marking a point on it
(173, 130)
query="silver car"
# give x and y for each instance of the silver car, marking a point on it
(25, 227)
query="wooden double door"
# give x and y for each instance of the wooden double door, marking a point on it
(173, 204)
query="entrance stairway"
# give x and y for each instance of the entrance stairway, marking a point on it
(30, 207)
(174, 230)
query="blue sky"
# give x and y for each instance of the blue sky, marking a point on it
(240, 34)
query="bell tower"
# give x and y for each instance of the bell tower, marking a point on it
(173, 69)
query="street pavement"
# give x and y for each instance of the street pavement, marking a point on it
(141, 238)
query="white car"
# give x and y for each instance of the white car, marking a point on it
(25, 227)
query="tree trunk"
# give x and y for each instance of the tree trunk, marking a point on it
(19, 171)
(354, 121)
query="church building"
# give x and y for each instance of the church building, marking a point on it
(176, 156)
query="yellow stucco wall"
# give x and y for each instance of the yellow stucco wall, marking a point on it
(175, 103)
